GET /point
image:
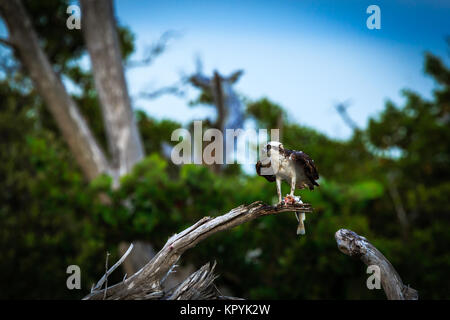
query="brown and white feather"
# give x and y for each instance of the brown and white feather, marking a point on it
(288, 163)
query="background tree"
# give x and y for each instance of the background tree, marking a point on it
(52, 216)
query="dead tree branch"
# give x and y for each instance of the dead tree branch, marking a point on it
(85, 148)
(198, 286)
(354, 245)
(341, 108)
(102, 41)
(146, 283)
(175, 90)
(155, 50)
(6, 42)
(99, 284)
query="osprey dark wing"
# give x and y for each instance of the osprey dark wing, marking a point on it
(258, 166)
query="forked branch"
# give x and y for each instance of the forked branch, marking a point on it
(146, 283)
(354, 245)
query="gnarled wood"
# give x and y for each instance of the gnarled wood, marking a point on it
(146, 283)
(354, 245)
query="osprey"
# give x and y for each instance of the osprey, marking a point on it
(295, 167)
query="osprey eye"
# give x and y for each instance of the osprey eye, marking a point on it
(269, 146)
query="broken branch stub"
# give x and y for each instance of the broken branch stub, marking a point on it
(354, 245)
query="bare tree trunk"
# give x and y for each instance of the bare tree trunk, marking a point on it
(198, 286)
(99, 27)
(228, 105)
(354, 245)
(73, 126)
(100, 32)
(146, 283)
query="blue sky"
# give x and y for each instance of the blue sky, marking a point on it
(304, 55)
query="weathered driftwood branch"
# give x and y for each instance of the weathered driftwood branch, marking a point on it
(146, 283)
(198, 286)
(102, 42)
(354, 245)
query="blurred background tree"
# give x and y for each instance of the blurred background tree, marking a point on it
(388, 182)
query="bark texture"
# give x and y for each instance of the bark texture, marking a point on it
(146, 283)
(100, 33)
(354, 245)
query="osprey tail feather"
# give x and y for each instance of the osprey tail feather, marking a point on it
(301, 226)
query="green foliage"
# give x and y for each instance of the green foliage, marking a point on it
(45, 211)
(50, 217)
(267, 113)
(334, 158)
(155, 133)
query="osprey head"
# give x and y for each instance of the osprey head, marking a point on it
(274, 147)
